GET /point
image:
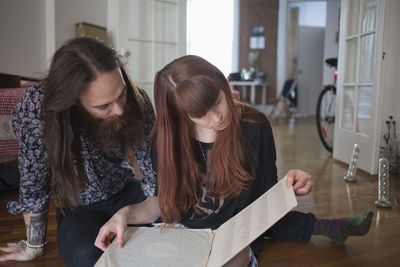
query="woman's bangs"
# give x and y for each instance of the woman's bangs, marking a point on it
(197, 96)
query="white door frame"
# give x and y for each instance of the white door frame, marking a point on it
(345, 139)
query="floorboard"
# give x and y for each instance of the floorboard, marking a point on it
(297, 147)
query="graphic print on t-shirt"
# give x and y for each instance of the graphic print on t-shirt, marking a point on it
(207, 204)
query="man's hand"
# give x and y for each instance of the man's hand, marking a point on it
(301, 181)
(36, 229)
(142, 213)
(18, 251)
(114, 227)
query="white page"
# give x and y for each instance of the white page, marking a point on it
(159, 247)
(239, 231)
(186, 247)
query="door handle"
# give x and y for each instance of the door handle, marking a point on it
(125, 52)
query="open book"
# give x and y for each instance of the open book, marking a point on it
(165, 246)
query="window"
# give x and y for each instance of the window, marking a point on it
(210, 32)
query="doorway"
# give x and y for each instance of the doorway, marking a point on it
(311, 36)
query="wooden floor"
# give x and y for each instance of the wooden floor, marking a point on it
(332, 197)
(300, 148)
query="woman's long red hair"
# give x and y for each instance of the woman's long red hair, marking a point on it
(189, 86)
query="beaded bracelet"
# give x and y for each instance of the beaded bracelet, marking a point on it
(33, 246)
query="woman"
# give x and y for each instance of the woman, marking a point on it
(215, 156)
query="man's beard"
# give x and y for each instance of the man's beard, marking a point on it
(117, 132)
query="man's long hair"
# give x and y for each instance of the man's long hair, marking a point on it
(74, 66)
(189, 87)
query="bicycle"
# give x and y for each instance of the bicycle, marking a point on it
(325, 114)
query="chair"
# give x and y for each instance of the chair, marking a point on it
(286, 103)
(234, 76)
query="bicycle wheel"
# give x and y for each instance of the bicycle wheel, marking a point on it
(325, 116)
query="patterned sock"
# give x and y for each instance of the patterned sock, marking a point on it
(338, 230)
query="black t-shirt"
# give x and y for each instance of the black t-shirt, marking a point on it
(211, 211)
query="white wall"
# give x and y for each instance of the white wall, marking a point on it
(281, 46)
(236, 36)
(31, 31)
(312, 13)
(390, 77)
(68, 13)
(23, 37)
(330, 45)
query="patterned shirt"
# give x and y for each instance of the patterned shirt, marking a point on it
(106, 173)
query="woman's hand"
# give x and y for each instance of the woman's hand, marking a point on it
(114, 227)
(301, 182)
(18, 251)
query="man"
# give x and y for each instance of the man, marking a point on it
(79, 131)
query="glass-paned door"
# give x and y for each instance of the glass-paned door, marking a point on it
(358, 87)
(150, 34)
